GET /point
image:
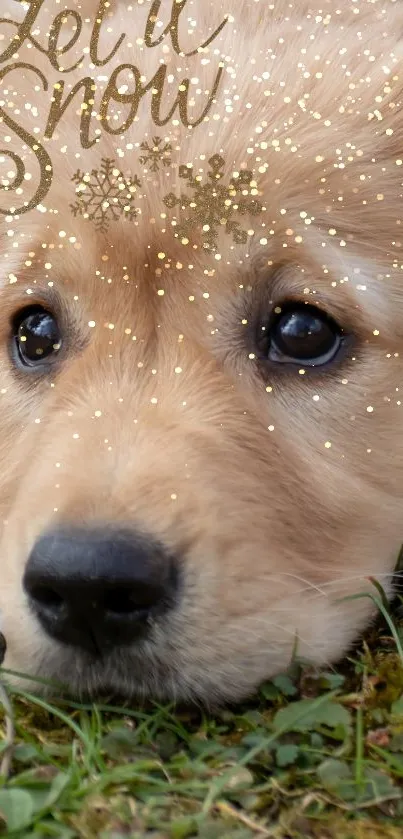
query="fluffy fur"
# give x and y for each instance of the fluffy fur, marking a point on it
(274, 528)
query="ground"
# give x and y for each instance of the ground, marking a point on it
(317, 755)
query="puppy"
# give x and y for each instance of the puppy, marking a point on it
(201, 386)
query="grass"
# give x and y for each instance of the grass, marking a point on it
(316, 755)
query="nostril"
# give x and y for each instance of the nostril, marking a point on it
(46, 596)
(122, 602)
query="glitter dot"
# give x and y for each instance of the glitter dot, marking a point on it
(91, 324)
(328, 445)
(160, 292)
(98, 413)
(370, 409)
(316, 398)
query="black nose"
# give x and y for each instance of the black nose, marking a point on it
(98, 588)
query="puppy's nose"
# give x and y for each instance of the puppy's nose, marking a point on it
(98, 588)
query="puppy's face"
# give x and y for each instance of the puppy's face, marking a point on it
(228, 419)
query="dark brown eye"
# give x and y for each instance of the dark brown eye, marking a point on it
(303, 334)
(36, 334)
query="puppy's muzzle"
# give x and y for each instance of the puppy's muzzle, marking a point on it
(97, 588)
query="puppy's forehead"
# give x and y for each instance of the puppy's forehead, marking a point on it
(315, 127)
(139, 273)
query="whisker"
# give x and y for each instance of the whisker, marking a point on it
(363, 576)
(308, 585)
(267, 623)
(338, 582)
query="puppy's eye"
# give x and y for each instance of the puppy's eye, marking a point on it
(36, 335)
(303, 334)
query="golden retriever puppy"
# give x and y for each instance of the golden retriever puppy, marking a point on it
(200, 382)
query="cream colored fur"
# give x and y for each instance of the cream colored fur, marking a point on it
(275, 529)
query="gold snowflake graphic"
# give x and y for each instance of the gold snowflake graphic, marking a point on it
(105, 195)
(215, 204)
(157, 155)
